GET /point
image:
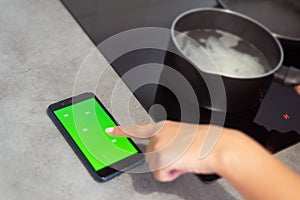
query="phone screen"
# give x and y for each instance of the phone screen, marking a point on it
(86, 122)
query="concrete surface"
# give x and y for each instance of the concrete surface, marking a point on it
(41, 51)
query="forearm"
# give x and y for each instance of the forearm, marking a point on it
(254, 172)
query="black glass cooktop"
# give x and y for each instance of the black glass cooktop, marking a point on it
(275, 123)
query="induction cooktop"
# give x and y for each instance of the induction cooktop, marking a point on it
(275, 123)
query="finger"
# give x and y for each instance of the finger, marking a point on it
(138, 131)
(159, 169)
(167, 175)
(297, 88)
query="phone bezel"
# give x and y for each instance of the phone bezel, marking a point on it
(108, 172)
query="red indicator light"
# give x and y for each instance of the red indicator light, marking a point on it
(286, 116)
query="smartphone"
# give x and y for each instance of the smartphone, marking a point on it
(82, 121)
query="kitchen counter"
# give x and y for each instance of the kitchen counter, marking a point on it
(43, 52)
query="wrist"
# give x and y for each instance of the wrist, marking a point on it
(235, 152)
(219, 154)
(229, 150)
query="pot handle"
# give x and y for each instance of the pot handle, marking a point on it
(288, 76)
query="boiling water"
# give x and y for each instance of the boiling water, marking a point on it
(223, 53)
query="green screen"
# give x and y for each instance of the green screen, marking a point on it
(85, 122)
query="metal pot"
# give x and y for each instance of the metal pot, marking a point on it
(240, 93)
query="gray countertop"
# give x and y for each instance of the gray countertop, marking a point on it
(42, 50)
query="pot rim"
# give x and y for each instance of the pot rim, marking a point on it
(279, 36)
(230, 12)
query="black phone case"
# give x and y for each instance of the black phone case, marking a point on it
(76, 149)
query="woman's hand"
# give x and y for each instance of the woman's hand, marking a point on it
(174, 148)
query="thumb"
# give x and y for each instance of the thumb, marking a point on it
(167, 175)
(139, 130)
